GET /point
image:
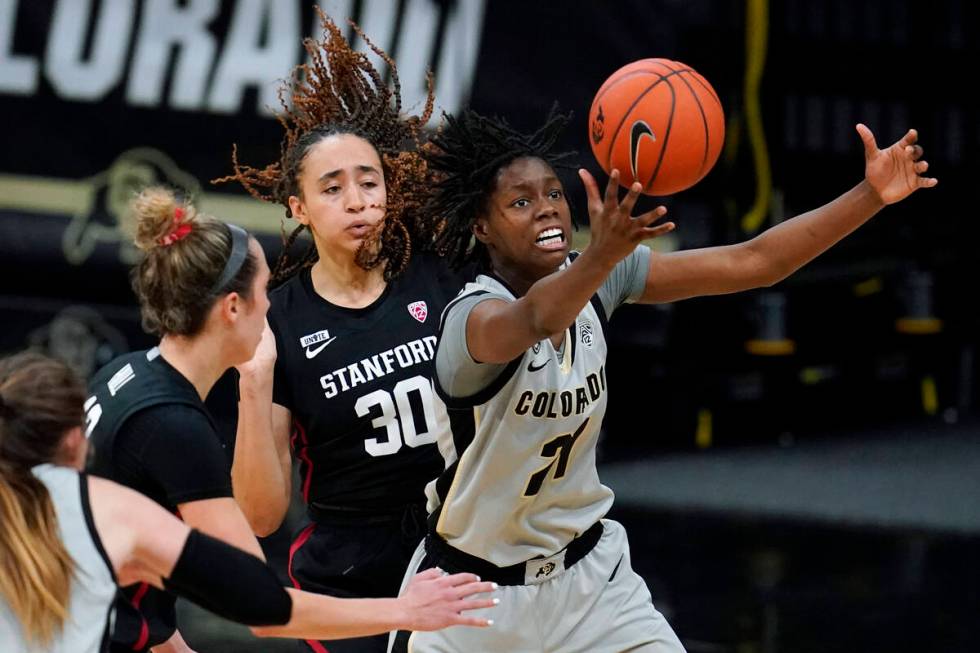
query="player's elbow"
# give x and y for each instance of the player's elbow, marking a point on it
(266, 522)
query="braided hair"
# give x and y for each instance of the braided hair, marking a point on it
(340, 92)
(464, 158)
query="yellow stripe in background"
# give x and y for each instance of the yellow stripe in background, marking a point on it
(69, 196)
(756, 45)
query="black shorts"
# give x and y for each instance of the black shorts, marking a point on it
(354, 556)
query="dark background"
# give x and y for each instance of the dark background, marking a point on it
(684, 385)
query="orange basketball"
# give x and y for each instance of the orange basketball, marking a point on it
(658, 122)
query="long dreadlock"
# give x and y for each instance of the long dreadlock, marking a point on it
(340, 92)
(465, 157)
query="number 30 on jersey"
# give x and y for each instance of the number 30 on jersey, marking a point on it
(396, 412)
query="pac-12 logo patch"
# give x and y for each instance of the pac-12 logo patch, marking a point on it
(418, 310)
(588, 333)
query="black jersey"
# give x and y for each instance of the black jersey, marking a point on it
(358, 384)
(150, 431)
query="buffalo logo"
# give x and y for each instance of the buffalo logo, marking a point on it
(598, 127)
(545, 570)
(418, 310)
(103, 218)
(639, 130)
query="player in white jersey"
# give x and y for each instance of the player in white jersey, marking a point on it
(68, 538)
(521, 358)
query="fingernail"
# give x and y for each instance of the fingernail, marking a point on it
(489, 622)
(495, 586)
(478, 579)
(496, 601)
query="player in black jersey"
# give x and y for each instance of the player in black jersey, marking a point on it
(344, 382)
(202, 289)
(68, 538)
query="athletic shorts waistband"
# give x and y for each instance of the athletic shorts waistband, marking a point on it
(530, 572)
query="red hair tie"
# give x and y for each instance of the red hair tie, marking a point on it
(180, 228)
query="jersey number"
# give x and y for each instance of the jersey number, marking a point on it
(93, 413)
(397, 416)
(559, 450)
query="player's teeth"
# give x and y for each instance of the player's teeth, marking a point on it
(549, 234)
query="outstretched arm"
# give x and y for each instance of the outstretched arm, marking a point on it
(145, 543)
(498, 331)
(891, 175)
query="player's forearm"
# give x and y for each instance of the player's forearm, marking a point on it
(792, 244)
(555, 301)
(259, 482)
(324, 617)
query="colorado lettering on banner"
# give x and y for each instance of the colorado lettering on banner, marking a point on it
(92, 48)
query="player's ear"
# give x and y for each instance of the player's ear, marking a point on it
(230, 307)
(481, 230)
(298, 209)
(73, 448)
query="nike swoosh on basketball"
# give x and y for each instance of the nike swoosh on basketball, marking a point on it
(637, 132)
(310, 353)
(532, 368)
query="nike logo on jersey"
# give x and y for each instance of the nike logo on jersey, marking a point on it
(321, 338)
(311, 353)
(531, 367)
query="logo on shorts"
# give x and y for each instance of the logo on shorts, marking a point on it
(320, 338)
(418, 310)
(588, 333)
(545, 570)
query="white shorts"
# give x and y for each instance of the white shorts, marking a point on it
(599, 605)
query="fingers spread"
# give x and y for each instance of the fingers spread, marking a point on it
(469, 589)
(457, 580)
(870, 145)
(655, 232)
(651, 216)
(612, 189)
(591, 188)
(479, 622)
(626, 207)
(474, 604)
(434, 572)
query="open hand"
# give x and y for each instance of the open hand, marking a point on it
(614, 231)
(896, 172)
(433, 600)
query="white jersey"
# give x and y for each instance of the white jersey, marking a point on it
(93, 586)
(521, 479)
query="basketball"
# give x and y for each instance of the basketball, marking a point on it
(658, 122)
